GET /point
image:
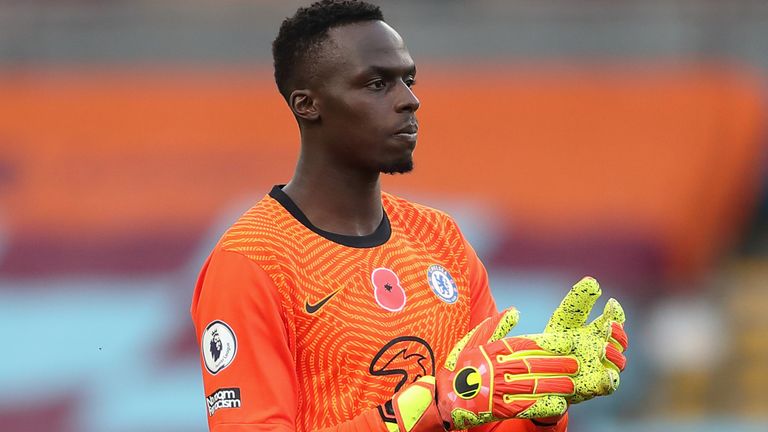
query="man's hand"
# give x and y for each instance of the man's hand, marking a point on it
(488, 378)
(598, 346)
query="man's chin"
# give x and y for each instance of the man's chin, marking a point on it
(400, 167)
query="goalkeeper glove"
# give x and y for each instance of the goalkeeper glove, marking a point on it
(488, 378)
(598, 346)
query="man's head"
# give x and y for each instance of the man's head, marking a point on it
(299, 42)
(347, 77)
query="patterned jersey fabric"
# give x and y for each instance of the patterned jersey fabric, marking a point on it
(302, 329)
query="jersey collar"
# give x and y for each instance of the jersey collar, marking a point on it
(377, 238)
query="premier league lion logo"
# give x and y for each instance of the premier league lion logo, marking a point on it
(218, 346)
(215, 346)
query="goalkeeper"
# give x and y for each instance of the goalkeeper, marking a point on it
(333, 305)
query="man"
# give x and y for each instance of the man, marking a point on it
(334, 305)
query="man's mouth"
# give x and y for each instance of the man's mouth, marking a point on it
(410, 129)
(408, 132)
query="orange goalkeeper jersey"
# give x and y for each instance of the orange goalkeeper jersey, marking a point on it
(302, 329)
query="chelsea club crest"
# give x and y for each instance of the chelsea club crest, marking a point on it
(442, 283)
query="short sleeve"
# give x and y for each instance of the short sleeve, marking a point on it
(247, 362)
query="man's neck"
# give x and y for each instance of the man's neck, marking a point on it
(347, 203)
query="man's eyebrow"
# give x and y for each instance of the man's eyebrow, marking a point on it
(389, 70)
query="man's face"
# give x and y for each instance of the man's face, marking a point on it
(366, 104)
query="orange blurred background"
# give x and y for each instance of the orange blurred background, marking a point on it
(667, 157)
(617, 139)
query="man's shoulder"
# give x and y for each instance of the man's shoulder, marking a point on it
(399, 207)
(258, 228)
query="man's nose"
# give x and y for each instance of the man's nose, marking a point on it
(408, 100)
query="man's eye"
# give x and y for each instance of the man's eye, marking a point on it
(377, 84)
(410, 82)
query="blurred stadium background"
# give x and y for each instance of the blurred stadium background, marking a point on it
(618, 138)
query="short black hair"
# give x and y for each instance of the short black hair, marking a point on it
(300, 35)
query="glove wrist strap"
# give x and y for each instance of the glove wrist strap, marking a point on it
(413, 409)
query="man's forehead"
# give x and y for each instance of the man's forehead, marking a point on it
(368, 43)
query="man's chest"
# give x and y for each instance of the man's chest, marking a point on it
(378, 318)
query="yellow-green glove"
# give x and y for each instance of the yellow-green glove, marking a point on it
(598, 346)
(487, 378)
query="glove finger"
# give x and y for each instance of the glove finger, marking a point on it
(504, 324)
(575, 307)
(495, 327)
(615, 357)
(524, 346)
(547, 406)
(619, 336)
(551, 365)
(559, 365)
(489, 330)
(617, 312)
(604, 332)
(599, 383)
(555, 343)
(515, 345)
(557, 386)
(602, 326)
(611, 312)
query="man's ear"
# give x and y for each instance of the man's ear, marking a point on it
(304, 105)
